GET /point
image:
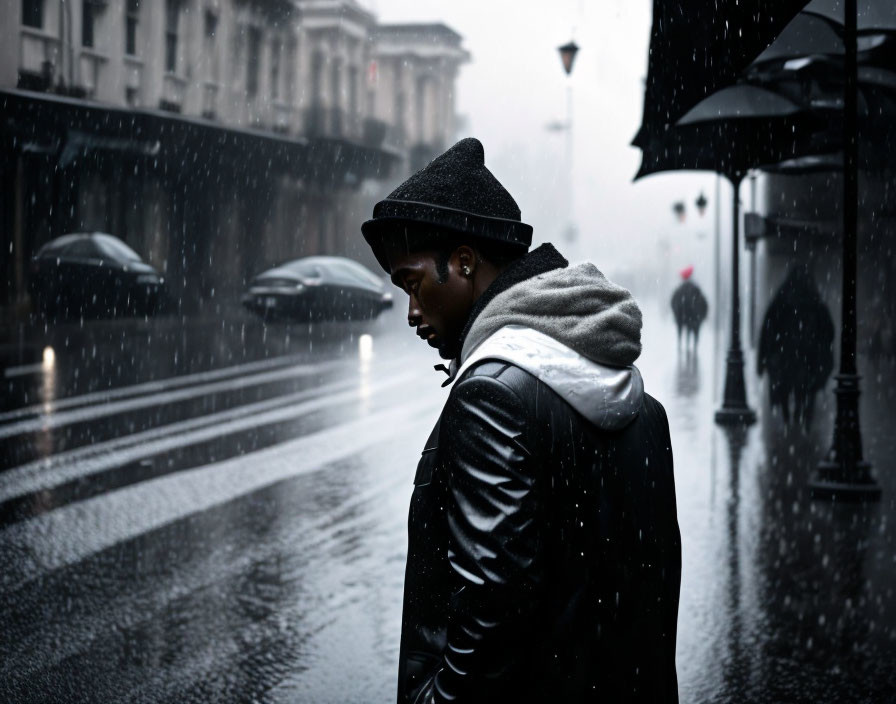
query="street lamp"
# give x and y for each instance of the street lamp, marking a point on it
(679, 209)
(567, 57)
(844, 475)
(701, 203)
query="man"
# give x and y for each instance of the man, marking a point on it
(544, 554)
(689, 308)
(796, 346)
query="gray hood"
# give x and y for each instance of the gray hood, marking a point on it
(575, 331)
(577, 306)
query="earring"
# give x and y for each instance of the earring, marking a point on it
(466, 271)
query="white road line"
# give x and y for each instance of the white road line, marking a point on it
(51, 421)
(73, 532)
(145, 387)
(57, 640)
(42, 475)
(22, 370)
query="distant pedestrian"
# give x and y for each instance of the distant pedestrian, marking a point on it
(689, 307)
(544, 555)
(796, 346)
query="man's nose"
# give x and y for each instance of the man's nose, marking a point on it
(415, 317)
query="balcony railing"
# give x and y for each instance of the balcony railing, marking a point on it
(133, 70)
(39, 54)
(210, 92)
(174, 90)
(91, 70)
(322, 121)
(281, 114)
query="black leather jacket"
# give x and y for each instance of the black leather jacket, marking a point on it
(544, 553)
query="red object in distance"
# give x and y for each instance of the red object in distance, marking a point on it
(686, 272)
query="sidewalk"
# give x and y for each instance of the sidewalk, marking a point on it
(784, 599)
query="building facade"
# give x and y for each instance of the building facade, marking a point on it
(216, 137)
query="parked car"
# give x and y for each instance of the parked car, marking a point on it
(93, 275)
(318, 288)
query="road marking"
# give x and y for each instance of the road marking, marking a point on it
(84, 462)
(73, 532)
(22, 370)
(51, 421)
(147, 387)
(55, 640)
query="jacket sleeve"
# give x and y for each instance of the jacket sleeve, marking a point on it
(495, 539)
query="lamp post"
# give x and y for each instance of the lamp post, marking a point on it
(734, 410)
(567, 57)
(844, 475)
(701, 204)
(679, 209)
(751, 243)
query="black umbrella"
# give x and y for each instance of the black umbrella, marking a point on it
(873, 15)
(866, 108)
(805, 35)
(698, 47)
(736, 129)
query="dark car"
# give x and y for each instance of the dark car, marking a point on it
(318, 288)
(93, 275)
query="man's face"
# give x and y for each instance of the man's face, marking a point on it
(438, 309)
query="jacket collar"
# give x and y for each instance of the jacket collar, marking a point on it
(539, 261)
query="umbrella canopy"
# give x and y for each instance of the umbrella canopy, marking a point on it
(805, 35)
(805, 165)
(698, 47)
(816, 84)
(736, 129)
(873, 15)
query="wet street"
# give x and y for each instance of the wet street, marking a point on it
(197, 511)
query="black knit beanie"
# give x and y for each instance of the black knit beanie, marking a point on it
(455, 192)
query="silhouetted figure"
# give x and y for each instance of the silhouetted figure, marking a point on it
(795, 346)
(689, 307)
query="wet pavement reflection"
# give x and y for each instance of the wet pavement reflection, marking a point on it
(217, 512)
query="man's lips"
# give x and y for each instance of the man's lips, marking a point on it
(428, 334)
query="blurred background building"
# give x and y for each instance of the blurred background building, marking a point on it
(216, 137)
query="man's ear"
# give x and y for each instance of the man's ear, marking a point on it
(465, 260)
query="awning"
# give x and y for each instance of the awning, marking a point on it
(79, 125)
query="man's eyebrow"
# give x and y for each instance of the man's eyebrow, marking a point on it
(398, 275)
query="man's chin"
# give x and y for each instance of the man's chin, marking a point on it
(446, 351)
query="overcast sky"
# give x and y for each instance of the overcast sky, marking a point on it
(515, 85)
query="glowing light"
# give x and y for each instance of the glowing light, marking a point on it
(49, 358)
(365, 347)
(365, 353)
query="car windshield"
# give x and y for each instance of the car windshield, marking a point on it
(83, 248)
(56, 246)
(361, 272)
(116, 249)
(304, 268)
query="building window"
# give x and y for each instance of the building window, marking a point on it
(254, 58)
(130, 96)
(353, 91)
(87, 18)
(317, 68)
(211, 53)
(33, 13)
(172, 17)
(291, 51)
(131, 18)
(399, 112)
(275, 69)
